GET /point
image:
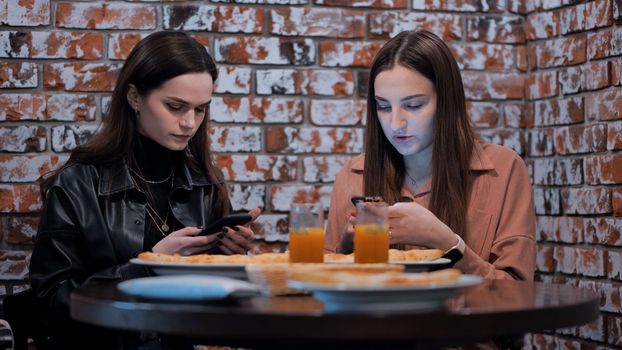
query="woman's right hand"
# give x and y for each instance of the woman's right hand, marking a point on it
(347, 240)
(184, 242)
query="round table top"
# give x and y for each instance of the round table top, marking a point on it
(489, 310)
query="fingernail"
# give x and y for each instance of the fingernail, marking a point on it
(200, 227)
(237, 228)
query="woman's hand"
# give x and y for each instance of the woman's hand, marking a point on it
(346, 245)
(412, 224)
(237, 240)
(184, 242)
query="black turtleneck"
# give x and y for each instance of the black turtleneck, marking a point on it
(155, 163)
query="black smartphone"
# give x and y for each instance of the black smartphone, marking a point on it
(230, 220)
(358, 199)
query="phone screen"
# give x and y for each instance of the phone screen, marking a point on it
(358, 199)
(226, 221)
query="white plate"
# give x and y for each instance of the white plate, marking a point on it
(173, 268)
(375, 298)
(423, 265)
(409, 266)
(188, 287)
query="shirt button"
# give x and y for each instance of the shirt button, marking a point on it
(137, 222)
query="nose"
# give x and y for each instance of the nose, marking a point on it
(398, 120)
(187, 120)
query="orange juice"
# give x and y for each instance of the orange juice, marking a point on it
(306, 245)
(371, 243)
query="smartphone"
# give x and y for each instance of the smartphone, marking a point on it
(358, 199)
(230, 220)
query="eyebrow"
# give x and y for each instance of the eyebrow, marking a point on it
(177, 99)
(403, 99)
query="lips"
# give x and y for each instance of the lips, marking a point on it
(403, 138)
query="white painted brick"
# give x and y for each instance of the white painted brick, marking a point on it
(265, 168)
(67, 137)
(235, 138)
(28, 168)
(233, 80)
(26, 77)
(338, 112)
(5, 46)
(257, 110)
(283, 197)
(14, 264)
(323, 169)
(547, 201)
(247, 197)
(273, 227)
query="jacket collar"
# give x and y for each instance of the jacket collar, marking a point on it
(116, 178)
(479, 161)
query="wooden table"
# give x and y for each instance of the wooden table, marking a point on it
(493, 309)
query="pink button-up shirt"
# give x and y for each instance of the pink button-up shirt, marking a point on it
(501, 221)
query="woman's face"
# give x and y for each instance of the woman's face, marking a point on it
(171, 114)
(406, 105)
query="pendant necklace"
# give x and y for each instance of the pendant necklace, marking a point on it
(160, 224)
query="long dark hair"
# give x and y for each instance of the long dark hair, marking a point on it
(154, 60)
(453, 138)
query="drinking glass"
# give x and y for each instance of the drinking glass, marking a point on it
(306, 233)
(371, 233)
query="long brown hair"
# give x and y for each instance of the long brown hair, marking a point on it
(154, 60)
(453, 138)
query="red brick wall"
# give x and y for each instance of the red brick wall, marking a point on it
(542, 77)
(574, 99)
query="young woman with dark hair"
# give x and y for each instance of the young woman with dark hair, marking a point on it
(144, 182)
(447, 189)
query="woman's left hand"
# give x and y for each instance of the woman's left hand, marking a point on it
(237, 240)
(412, 224)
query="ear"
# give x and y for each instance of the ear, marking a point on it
(133, 97)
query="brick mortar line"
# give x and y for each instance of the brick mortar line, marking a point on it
(584, 33)
(581, 278)
(583, 185)
(585, 245)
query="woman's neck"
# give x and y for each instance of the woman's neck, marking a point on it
(154, 161)
(419, 165)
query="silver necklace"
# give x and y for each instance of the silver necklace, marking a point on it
(150, 181)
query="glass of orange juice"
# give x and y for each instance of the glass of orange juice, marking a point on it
(306, 233)
(371, 233)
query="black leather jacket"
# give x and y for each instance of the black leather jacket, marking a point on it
(93, 223)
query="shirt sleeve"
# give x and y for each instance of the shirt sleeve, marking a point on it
(513, 250)
(60, 259)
